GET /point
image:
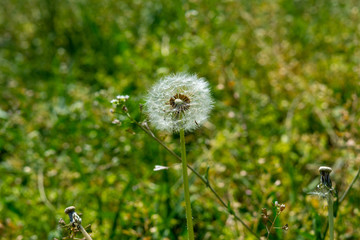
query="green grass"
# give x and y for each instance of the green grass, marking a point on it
(285, 79)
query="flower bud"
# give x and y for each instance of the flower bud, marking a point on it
(285, 227)
(282, 207)
(325, 176)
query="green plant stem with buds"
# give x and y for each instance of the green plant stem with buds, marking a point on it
(331, 216)
(186, 187)
(202, 178)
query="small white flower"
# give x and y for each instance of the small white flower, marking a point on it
(179, 101)
(116, 121)
(115, 101)
(122, 98)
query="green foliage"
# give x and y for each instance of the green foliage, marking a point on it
(285, 79)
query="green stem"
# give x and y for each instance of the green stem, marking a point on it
(350, 186)
(272, 226)
(203, 179)
(186, 187)
(85, 234)
(331, 217)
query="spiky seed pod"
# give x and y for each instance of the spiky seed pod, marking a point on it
(179, 101)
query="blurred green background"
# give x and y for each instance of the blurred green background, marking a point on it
(285, 78)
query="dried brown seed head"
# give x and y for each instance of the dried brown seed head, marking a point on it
(282, 207)
(264, 211)
(285, 227)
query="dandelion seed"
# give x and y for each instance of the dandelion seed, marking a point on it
(159, 168)
(179, 101)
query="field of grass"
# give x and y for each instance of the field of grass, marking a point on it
(285, 79)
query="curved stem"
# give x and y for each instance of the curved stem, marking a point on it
(42, 190)
(272, 225)
(350, 186)
(84, 233)
(205, 181)
(186, 187)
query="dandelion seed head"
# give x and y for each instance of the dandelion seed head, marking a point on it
(179, 101)
(159, 168)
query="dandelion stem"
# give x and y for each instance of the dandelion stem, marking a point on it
(205, 181)
(186, 187)
(343, 198)
(331, 217)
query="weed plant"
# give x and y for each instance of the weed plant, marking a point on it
(285, 77)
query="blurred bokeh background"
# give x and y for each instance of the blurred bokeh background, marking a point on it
(285, 78)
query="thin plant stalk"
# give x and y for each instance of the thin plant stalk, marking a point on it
(186, 187)
(84, 233)
(331, 217)
(350, 186)
(272, 225)
(42, 190)
(202, 178)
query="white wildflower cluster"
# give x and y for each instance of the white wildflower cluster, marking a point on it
(179, 101)
(280, 207)
(120, 99)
